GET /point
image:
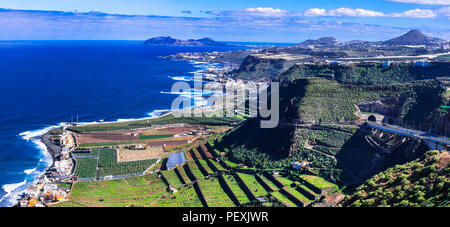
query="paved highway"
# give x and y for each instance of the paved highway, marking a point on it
(408, 132)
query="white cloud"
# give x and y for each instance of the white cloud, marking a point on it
(416, 13)
(261, 11)
(424, 2)
(354, 13)
(445, 11)
(339, 12)
(258, 11)
(315, 12)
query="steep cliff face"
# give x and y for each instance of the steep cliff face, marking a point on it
(388, 107)
(262, 68)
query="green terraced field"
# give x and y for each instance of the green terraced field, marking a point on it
(214, 195)
(269, 182)
(183, 174)
(237, 190)
(318, 181)
(283, 199)
(205, 166)
(284, 181)
(255, 187)
(195, 171)
(172, 177)
(135, 191)
(185, 197)
(218, 166)
(297, 195)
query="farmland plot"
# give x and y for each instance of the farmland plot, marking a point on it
(214, 195)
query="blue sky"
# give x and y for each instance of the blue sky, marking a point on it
(243, 20)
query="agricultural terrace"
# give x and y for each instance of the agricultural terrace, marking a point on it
(214, 194)
(255, 187)
(164, 120)
(140, 191)
(172, 178)
(236, 189)
(318, 182)
(185, 197)
(213, 184)
(106, 165)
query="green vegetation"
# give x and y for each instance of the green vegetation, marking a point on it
(255, 187)
(283, 199)
(195, 171)
(183, 174)
(185, 197)
(214, 195)
(236, 189)
(148, 137)
(318, 182)
(124, 168)
(107, 165)
(268, 182)
(328, 101)
(366, 73)
(105, 144)
(86, 167)
(297, 195)
(205, 166)
(136, 191)
(172, 178)
(167, 119)
(424, 182)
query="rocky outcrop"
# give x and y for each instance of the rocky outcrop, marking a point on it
(388, 107)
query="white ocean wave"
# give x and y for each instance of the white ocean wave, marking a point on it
(12, 192)
(180, 78)
(39, 132)
(29, 171)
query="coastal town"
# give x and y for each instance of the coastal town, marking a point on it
(55, 184)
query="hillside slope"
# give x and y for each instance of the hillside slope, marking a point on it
(366, 73)
(315, 100)
(423, 182)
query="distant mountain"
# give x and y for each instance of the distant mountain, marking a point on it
(324, 41)
(413, 37)
(169, 41)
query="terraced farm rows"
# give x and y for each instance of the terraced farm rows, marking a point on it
(135, 191)
(185, 197)
(172, 178)
(255, 187)
(214, 185)
(236, 189)
(107, 165)
(214, 194)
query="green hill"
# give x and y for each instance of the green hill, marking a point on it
(317, 100)
(423, 182)
(366, 73)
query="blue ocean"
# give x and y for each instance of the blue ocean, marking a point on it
(45, 83)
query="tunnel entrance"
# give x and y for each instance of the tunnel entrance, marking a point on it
(372, 118)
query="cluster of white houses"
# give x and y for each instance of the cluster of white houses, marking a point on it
(55, 184)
